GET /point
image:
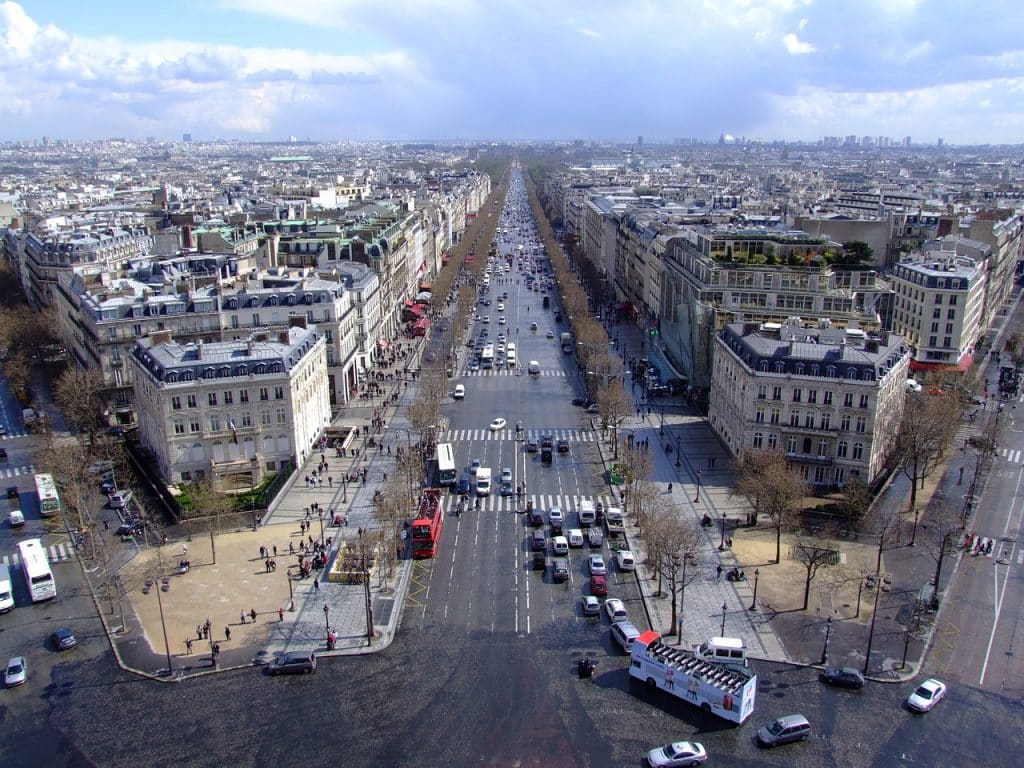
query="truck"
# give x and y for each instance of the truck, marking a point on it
(614, 525)
(566, 342)
(483, 481)
(724, 690)
(426, 528)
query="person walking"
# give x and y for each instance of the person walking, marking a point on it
(227, 633)
(252, 613)
(718, 570)
(188, 645)
(241, 617)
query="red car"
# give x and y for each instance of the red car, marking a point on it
(599, 586)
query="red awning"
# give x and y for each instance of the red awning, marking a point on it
(962, 366)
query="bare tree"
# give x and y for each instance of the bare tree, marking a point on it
(80, 394)
(773, 488)
(205, 501)
(635, 465)
(672, 545)
(929, 422)
(943, 529)
(814, 557)
(614, 406)
(855, 501)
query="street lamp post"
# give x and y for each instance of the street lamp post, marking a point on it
(696, 497)
(678, 462)
(163, 625)
(661, 432)
(327, 620)
(753, 603)
(320, 515)
(291, 594)
(721, 544)
(724, 609)
(344, 489)
(828, 632)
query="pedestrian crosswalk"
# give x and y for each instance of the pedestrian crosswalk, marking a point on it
(17, 471)
(1011, 455)
(566, 502)
(13, 435)
(469, 435)
(55, 553)
(513, 372)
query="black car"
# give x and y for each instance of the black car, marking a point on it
(582, 402)
(563, 446)
(63, 639)
(12, 491)
(130, 528)
(843, 677)
(532, 446)
(3, 454)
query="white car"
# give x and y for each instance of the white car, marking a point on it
(677, 753)
(591, 606)
(498, 424)
(551, 334)
(501, 320)
(506, 475)
(927, 695)
(597, 566)
(501, 307)
(460, 392)
(15, 672)
(625, 560)
(615, 609)
(474, 465)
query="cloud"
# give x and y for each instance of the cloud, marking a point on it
(795, 46)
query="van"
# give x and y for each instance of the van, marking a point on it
(460, 392)
(587, 513)
(483, 481)
(785, 730)
(575, 537)
(120, 499)
(560, 545)
(538, 541)
(723, 650)
(6, 593)
(534, 368)
(625, 632)
(16, 518)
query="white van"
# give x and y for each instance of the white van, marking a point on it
(460, 392)
(575, 537)
(534, 368)
(587, 513)
(483, 481)
(120, 499)
(6, 593)
(16, 518)
(729, 650)
(560, 545)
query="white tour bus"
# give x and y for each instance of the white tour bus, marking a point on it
(36, 568)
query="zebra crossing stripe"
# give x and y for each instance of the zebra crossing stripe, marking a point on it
(55, 553)
(494, 503)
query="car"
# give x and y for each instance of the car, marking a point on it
(677, 753)
(560, 570)
(293, 663)
(502, 338)
(595, 539)
(3, 430)
(498, 424)
(486, 318)
(474, 366)
(474, 465)
(463, 484)
(596, 565)
(842, 677)
(12, 491)
(550, 334)
(583, 402)
(3, 454)
(506, 488)
(533, 326)
(591, 606)
(547, 441)
(593, 408)
(615, 609)
(625, 560)
(120, 499)
(785, 730)
(130, 528)
(532, 446)
(927, 695)
(501, 320)
(563, 445)
(624, 633)
(557, 518)
(599, 585)
(459, 392)
(506, 475)
(501, 307)
(15, 673)
(63, 639)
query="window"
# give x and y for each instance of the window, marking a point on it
(794, 418)
(191, 401)
(234, 321)
(826, 421)
(229, 397)
(951, 314)
(949, 328)
(936, 313)
(809, 420)
(844, 422)
(762, 392)
(776, 393)
(933, 341)
(823, 447)
(265, 418)
(264, 393)
(255, 318)
(812, 395)
(952, 301)
(791, 444)
(848, 400)
(935, 327)
(246, 419)
(798, 395)
(193, 424)
(819, 475)
(279, 393)
(938, 297)
(842, 447)
(243, 395)
(759, 416)
(828, 397)
(773, 442)
(214, 422)
(179, 427)
(946, 341)
(862, 424)
(858, 451)
(211, 398)
(282, 416)
(864, 400)
(776, 416)
(758, 440)
(176, 403)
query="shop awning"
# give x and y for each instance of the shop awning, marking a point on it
(961, 367)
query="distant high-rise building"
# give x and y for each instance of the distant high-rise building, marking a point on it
(940, 143)
(639, 143)
(906, 141)
(187, 138)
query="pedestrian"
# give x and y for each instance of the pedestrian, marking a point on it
(316, 585)
(719, 572)
(252, 612)
(275, 550)
(242, 617)
(330, 481)
(199, 631)
(280, 614)
(291, 548)
(106, 525)
(188, 645)
(227, 634)
(266, 565)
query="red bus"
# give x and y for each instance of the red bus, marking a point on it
(426, 528)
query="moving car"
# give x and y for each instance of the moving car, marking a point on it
(120, 499)
(551, 334)
(615, 609)
(843, 677)
(15, 673)
(557, 519)
(63, 639)
(624, 633)
(498, 424)
(563, 445)
(293, 663)
(506, 488)
(927, 695)
(460, 392)
(596, 565)
(784, 731)
(532, 446)
(676, 754)
(474, 465)
(591, 606)
(463, 485)
(599, 586)
(625, 560)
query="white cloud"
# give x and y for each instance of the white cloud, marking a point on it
(795, 46)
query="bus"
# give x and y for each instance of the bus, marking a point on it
(46, 490)
(487, 356)
(36, 568)
(447, 475)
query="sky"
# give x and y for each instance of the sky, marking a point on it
(605, 70)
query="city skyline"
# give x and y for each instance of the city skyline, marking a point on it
(463, 69)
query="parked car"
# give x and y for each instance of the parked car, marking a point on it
(599, 586)
(591, 606)
(625, 560)
(120, 499)
(15, 673)
(615, 609)
(557, 519)
(595, 538)
(532, 446)
(927, 695)
(130, 528)
(678, 753)
(624, 633)
(843, 677)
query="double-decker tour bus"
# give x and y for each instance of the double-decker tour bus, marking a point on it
(447, 475)
(36, 569)
(49, 500)
(426, 528)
